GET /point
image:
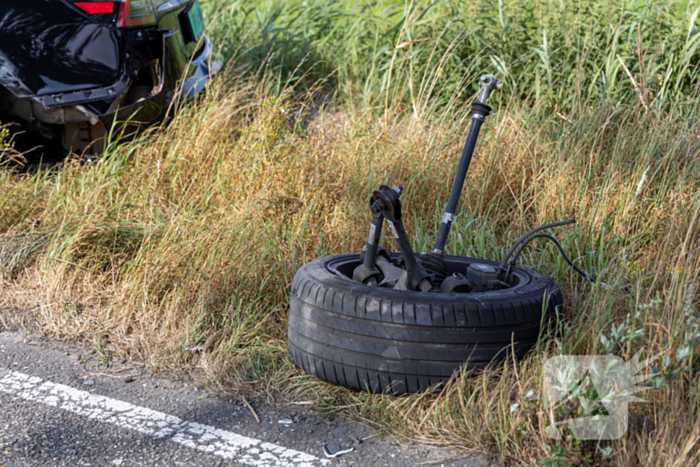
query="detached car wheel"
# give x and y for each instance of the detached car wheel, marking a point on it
(384, 340)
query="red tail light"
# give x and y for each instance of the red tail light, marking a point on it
(96, 8)
(134, 13)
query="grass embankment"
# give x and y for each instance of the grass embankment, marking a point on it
(179, 247)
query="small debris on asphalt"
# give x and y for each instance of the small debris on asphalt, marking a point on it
(285, 421)
(252, 410)
(129, 379)
(88, 382)
(336, 450)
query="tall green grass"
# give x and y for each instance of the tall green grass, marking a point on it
(551, 55)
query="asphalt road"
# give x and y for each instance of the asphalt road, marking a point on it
(54, 412)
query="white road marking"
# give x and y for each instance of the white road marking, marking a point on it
(204, 438)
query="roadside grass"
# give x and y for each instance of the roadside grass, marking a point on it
(179, 246)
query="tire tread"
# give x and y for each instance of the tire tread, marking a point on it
(368, 338)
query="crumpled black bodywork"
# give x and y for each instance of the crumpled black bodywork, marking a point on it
(60, 66)
(48, 47)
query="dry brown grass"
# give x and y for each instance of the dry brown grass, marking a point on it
(179, 248)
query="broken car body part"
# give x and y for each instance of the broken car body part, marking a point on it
(367, 272)
(386, 202)
(457, 283)
(69, 70)
(336, 450)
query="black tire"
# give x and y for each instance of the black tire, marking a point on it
(383, 340)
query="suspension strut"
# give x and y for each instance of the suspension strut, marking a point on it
(435, 260)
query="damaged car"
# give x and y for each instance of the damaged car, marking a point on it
(69, 69)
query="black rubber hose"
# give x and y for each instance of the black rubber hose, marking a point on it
(521, 239)
(561, 250)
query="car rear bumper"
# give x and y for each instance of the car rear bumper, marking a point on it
(91, 73)
(204, 68)
(75, 105)
(199, 72)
